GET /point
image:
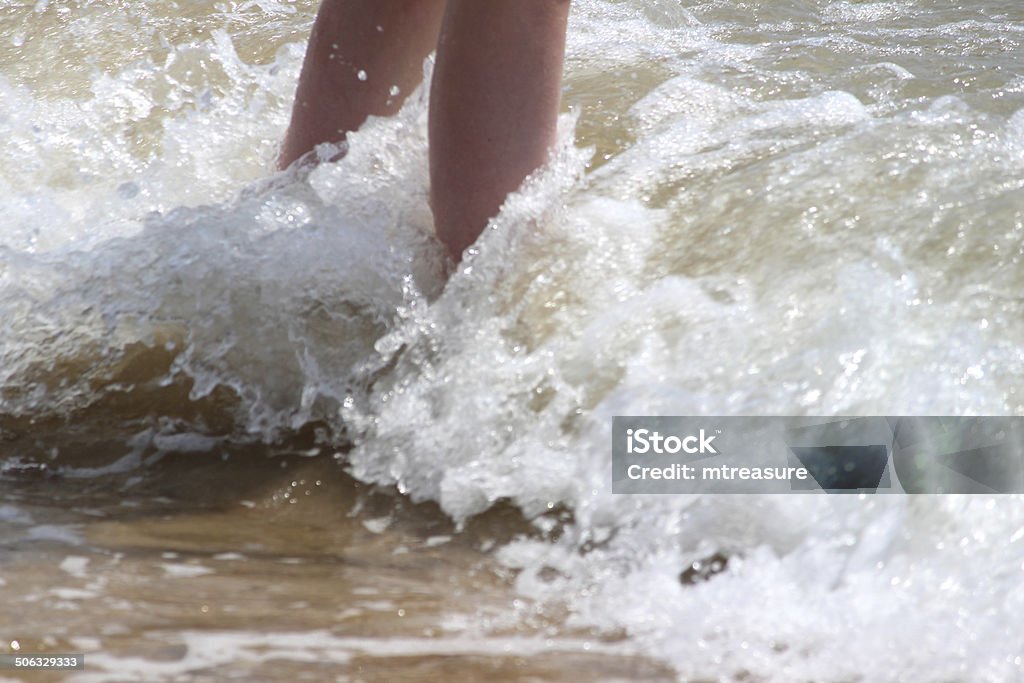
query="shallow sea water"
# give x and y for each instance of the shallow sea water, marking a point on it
(249, 430)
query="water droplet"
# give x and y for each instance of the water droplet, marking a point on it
(361, 75)
(395, 90)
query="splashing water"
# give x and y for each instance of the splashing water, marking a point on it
(754, 208)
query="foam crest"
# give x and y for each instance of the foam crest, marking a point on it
(752, 221)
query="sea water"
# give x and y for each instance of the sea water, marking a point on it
(754, 208)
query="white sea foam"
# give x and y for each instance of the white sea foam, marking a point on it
(801, 212)
(75, 565)
(208, 649)
(184, 571)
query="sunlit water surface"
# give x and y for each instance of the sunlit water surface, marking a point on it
(248, 430)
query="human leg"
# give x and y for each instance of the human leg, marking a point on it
(493, 107)
(358, 51)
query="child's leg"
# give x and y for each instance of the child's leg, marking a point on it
(493, 107)
(358, 51)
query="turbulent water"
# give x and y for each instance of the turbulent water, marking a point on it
(799, 207)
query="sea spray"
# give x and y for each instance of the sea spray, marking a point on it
(809, 208)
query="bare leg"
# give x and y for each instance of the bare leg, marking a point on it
(358, 51)
(493, 107)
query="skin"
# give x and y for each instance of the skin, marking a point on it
(331, 100)
(493, 102)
